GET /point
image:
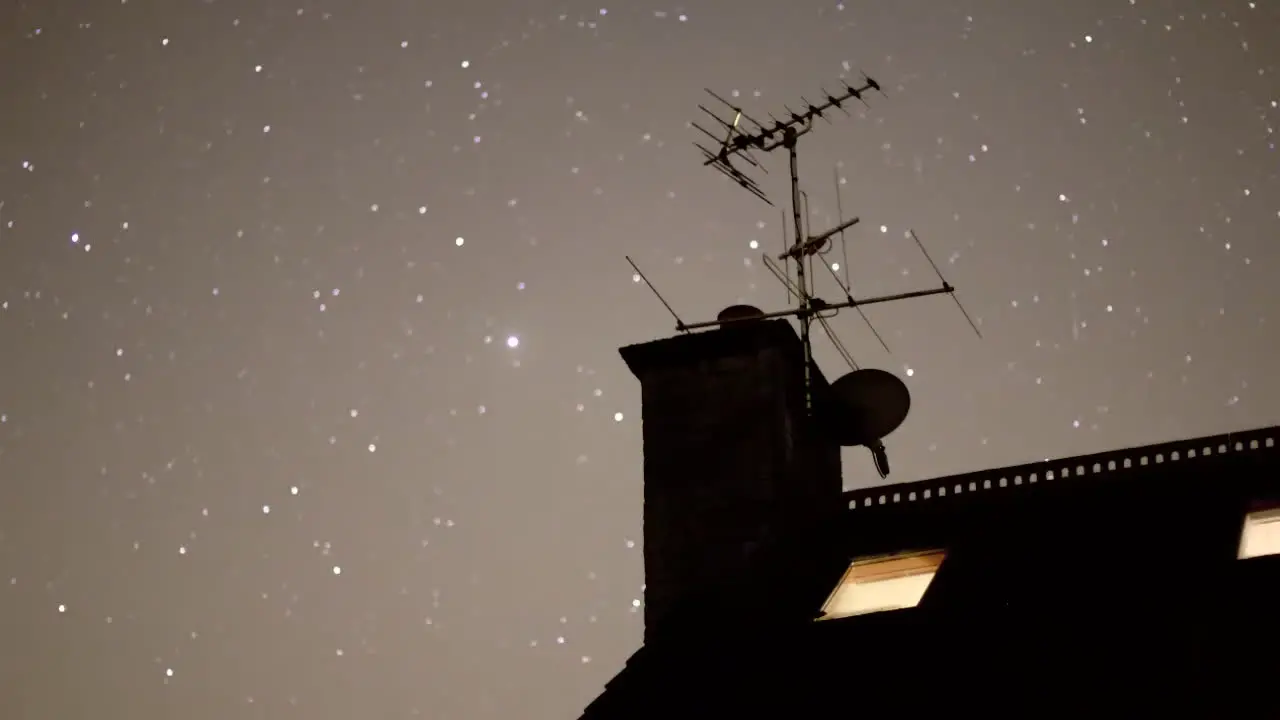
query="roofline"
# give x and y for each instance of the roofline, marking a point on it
(1114, 461)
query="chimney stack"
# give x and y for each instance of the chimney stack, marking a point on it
(732, 462)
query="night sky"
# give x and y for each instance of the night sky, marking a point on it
(309, 312)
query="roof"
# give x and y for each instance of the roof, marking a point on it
(760, 640)
(1112, 466)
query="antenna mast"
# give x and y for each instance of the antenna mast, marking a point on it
(736, 143)
(767, 138)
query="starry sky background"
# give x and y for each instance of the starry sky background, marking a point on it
(266, 449)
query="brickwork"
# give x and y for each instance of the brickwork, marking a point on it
(730, 461)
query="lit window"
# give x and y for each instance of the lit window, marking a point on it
(886, 582)
(1261, 535)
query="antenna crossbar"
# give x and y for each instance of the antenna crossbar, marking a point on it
(818, 305)
(815, 243)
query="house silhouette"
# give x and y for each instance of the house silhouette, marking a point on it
(1122, 583)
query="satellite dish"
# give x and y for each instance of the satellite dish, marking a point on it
(739, 313)
(865, 406)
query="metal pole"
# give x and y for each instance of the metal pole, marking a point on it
(789, 139)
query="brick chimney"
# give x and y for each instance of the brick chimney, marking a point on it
(732, 463)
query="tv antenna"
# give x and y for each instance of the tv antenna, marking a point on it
(864, 405)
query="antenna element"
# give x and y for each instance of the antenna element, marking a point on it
(864, 405)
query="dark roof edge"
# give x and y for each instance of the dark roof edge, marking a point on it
(1061, 468)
